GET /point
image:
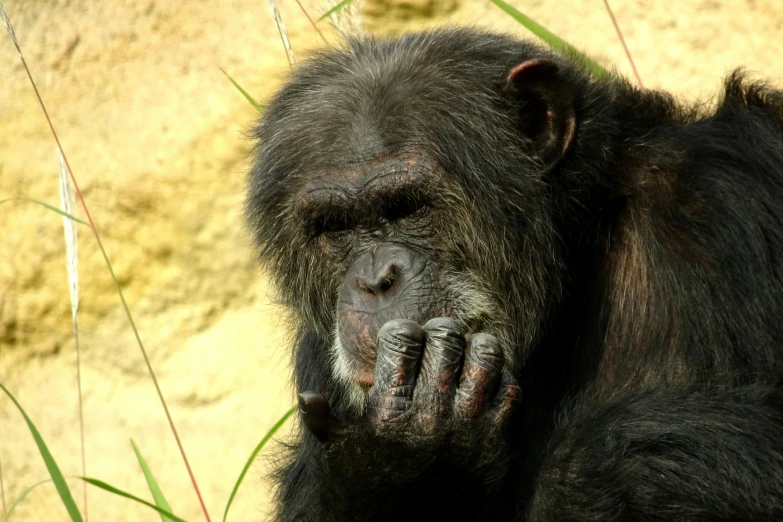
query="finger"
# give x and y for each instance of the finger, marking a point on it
(438, 376)
(400, 346)
(480, 375)
(317, 417)
(508, 398)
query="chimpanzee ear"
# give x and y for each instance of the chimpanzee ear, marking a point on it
(546, 108)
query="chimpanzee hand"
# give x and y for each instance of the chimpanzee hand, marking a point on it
(434, 396)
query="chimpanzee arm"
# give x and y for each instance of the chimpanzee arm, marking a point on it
(668, 456)
(314, 487)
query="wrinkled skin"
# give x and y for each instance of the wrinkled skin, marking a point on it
(386, 282)
(431, 386)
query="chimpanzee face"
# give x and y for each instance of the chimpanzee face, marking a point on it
(376, 229)
(381, 191)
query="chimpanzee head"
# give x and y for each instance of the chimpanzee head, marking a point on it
(407, 178)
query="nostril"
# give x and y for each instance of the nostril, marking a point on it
(386, 284)
(387, 277)
(379, 283)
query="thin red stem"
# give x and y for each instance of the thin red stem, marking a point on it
(315, 26)
(622, 41)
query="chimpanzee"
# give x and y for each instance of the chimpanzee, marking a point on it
(523, 292)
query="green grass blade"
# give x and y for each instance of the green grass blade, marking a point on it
(157, 494)
(51, 465)
(22, 497)
(341, 5)
(554, 41)
(247, 96)
(50, 207)
(111, 489)
(253, 455)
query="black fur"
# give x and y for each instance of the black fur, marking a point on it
(639, 279)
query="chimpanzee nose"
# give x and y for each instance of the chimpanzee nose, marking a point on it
(386, 282)
(380, 272)
(379, 279)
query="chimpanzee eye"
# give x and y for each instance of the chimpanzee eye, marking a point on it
(331, 223)
(333, 232)
(402, 207)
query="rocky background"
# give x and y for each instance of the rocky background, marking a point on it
(154, 134)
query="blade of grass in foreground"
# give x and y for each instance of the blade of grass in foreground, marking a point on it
(51, 465)
(10, 28)
(253, 455)
(554, 41)
(157, 494)
(72, 266)
(111, 489)
(330, 12)
(247, 96)
(283, 33)
(50, 207)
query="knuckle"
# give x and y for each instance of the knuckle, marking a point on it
(485, 351)
(389, 406)
(444, 331)
(382, 418)
(444, 337)
(513, 393)
(399, 390)
(400, 335)
(442, 324)
(485, 342)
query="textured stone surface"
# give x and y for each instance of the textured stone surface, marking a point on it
(153, 131)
